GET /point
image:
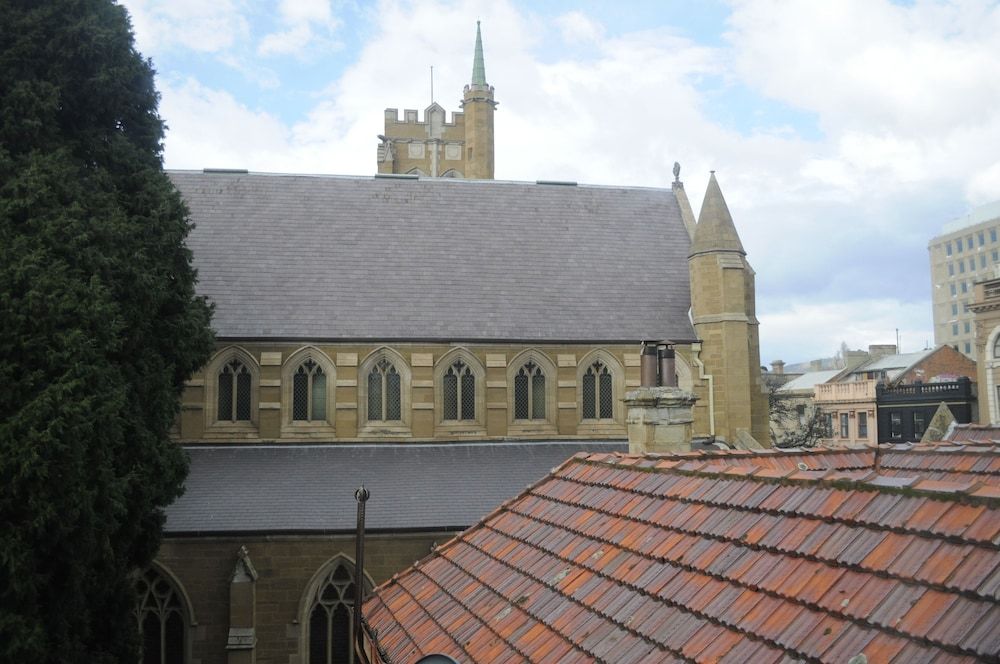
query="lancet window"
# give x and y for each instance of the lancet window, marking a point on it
(598, 392)
(529, 393)
(459, 391)
(331, 617)
(309, 392)
(235, 385)
(384, 392)
(161, 620)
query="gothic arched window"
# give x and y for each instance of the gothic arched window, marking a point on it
(161, 619)
(235, 385)
(459, 391)
(384, 393)
(529, 393)
(309, 392)
(331, 617)
(598, 392)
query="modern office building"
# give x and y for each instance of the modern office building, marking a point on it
(967, 251)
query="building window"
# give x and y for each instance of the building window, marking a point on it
(800, 410)
(161, 619)
(862, 425)
(919, 425)
(951, 269)
(384, 392)
(954, 309)
(961, 267)
(459, 390)
(309, 392)
(953, 292)
(947, 248)
(966, 327)
(828, 425)
(995, 255)
(968, 243)
(954, 329)
(972, 264)
(235, 384)
(965, 287)
(896, 425)
(529, 393)
(845, 427)
(331, 617)
(982, 238)
(598, 392)
(982, 261)
(993, 235)
(968, 348)
(958, 246)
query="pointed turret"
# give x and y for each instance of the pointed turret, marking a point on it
(723, 311)
(715, 230)
(478, 105)
(478, 63)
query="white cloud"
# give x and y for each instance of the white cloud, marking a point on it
(307, 23)
(577, 27)
(205, 27)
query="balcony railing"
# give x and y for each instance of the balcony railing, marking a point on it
(861, 390)
(959, 389)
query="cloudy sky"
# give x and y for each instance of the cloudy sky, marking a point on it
(844, 134)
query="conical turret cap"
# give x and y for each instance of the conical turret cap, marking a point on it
(478, 63)
(715, 230)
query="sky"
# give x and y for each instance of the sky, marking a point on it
(844, 134)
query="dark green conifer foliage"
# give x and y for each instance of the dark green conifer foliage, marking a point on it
(99, 327)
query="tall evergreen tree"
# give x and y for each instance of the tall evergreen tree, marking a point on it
(99, 328)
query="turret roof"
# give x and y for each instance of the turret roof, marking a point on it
(478, 64)
(715, 230)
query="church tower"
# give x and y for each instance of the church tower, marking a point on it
(723, 310)
(462, 148)
(478, 104)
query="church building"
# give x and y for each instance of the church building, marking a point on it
(440, 336)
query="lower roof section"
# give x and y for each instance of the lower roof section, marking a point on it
(310, 488)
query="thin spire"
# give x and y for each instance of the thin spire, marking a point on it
(715, 230)
(478, 65)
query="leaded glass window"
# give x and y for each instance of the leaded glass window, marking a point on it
(529, 393)
(309, 392)
(384, 393)
(459, 392)
(331, 617)
(598, 392)
(235, 383)
(161, 620)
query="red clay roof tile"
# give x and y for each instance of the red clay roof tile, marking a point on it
(637, 559)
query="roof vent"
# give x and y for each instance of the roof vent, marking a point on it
(560, 183)
(397, 176)
(225, 171)
(802, 466)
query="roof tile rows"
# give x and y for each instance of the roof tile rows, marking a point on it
(729, 557)
(324, 258)
(977, 461)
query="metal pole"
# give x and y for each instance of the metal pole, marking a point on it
(361, 495)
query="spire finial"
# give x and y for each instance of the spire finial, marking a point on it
(478, 64)
(715, 230)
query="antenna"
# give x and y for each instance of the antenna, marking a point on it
(432, 84)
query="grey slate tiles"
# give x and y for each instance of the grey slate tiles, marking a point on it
(328, 258)
(310, 488)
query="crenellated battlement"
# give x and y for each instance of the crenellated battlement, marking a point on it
(412, 116)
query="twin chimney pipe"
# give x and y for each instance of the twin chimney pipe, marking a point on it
(656, 365)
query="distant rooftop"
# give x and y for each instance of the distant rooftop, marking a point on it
(807, 381)
(979, 215)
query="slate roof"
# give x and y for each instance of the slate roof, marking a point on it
(337, 258)
(310, 488)
(681, 558)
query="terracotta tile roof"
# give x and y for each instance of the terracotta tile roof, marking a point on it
(974, 461)
(731, 557)
(968, 433)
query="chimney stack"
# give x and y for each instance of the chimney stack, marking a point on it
(778, 366)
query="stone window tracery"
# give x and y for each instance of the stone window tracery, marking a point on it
(161, 619)
(309, 392)
(331, 618)
(235, 384)
(384, 392)
(529, 393)
(598, 392)
(459, 392)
